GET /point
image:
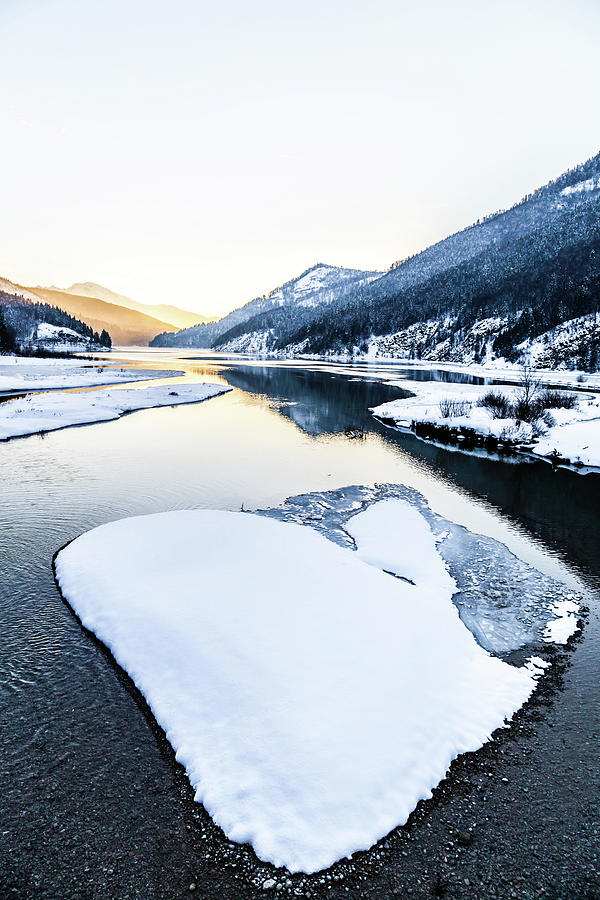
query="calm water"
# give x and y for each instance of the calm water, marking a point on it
(77, 752)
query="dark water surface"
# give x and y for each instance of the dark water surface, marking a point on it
(92, 805)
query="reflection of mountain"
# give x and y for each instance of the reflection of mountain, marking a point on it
(319, 402)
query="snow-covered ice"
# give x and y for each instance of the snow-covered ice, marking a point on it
(57, 409)
(313, 698)
(394, 536)
(30, 373)
(503, 601)
(559, 629)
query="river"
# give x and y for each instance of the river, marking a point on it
(92, 802)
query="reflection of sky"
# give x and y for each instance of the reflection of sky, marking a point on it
(203, 153)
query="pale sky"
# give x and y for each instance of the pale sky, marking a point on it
(202, 153)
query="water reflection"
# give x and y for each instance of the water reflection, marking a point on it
(319, 403)
(561, 507)
(441, 375)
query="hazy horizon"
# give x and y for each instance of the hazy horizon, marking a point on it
(200, 157)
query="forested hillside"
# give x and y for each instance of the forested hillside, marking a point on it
(29, 327)
(494, 289)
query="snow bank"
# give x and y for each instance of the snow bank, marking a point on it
(27, 373)
(574, 436)
(49, 411)
(312, 698)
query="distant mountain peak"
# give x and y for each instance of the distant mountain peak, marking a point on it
(164, 312)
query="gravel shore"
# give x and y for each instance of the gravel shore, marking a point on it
(519, 818)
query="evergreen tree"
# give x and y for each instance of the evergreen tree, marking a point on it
(7, 337)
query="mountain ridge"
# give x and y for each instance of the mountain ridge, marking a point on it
(164, 312)
(127, 327)
(28, 325)
(483, 291)
(313, 286)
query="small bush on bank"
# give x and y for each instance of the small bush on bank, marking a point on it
(527, 410)
(451, 409)
(550, 399)
(529, 405)
(498, 404)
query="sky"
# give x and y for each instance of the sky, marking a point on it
(203, 153)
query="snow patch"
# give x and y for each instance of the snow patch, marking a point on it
(50, 411)
(590, 184)
(30, 373)
(566, 623)
(312, 698)
(47, 331)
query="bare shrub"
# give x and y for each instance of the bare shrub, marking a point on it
(527, 405)
(451, 409)
(550, 399)
(497, 403)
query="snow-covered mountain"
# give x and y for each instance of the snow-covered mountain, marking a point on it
(319, 285)
(523, 282)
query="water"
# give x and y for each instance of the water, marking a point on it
(79, 756)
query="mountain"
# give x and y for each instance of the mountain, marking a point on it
(519, 278)
(317, 286)
(165, 312)
(127, 327)
(30, 326)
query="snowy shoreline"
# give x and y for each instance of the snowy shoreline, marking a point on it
(54, 410)
(452, 414)
(496, 369)
(26, 373)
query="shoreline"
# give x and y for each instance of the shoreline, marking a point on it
(56, 411)
(483, 445)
